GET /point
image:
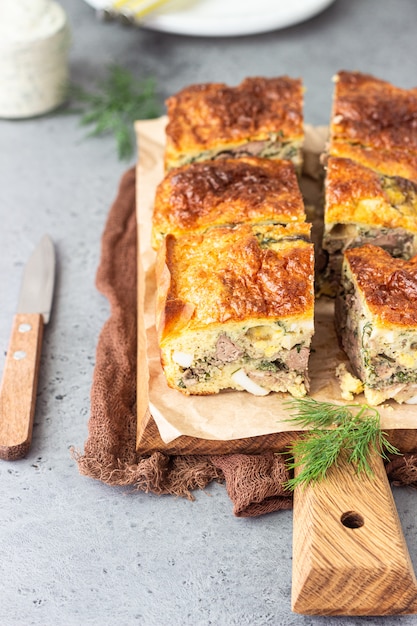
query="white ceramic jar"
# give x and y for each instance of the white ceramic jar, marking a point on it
(34, 45)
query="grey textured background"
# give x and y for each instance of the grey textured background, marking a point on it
(72, 550)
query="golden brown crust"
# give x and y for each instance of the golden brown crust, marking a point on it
(229, 275)
(205, 116)
(170, 310)
(357, 194)
(227, 191)
(388, 285)
(389, 162)
(372, 112)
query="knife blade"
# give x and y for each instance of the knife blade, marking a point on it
(20, 375)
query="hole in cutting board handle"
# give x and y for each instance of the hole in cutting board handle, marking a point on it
(351, 519)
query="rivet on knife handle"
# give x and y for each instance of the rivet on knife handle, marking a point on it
(19, 385)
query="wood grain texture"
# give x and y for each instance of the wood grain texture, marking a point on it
(349, 552)
(19, 385)
(149, 441)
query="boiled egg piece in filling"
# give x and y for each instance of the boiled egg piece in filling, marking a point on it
(184, 359)
(242, 379)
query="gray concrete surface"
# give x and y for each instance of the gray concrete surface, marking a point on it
(72, 550)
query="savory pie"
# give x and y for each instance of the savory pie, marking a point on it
(376, 321)
(228, 191)
(371, 112)
(363, 206)
(260, 117)
(389, 162)
(235, 310)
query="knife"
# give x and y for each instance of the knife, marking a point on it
(20, 375)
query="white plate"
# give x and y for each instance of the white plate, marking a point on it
(220, 18)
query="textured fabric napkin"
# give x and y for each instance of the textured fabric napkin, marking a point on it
(254, 483)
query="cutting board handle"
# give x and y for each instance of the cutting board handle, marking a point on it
(349, 552)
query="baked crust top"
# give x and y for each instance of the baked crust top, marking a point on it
(392, 162)
(227, 191)
(356, 194)
(205, 115)
(388, 285)
(373, 112)
(233, 274)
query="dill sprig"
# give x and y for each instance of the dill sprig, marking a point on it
(334, 428)
(115, 104)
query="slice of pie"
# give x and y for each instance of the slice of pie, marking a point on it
(228, 191)
(376, 321)
(363, 206)
(375, 124)
(371, 112)
(235, 309)
(260, 117)
(389, 162)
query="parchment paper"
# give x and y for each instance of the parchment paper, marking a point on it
(228, 415)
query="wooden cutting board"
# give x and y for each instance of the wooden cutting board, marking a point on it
(349, 551)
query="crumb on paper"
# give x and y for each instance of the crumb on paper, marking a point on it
(349, 385)
(387, 407)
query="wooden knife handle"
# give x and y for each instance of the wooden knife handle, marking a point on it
(19, 386)
(349, 552)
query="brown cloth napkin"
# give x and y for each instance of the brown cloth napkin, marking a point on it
(254, 483)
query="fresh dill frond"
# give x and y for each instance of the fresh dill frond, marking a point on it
(352, 428)
(115, 104)
(308, 452)
(309, 412)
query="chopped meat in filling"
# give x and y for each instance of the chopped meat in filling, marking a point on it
(276, 368)
(226, 350)
(297, 358)
(398, 242)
